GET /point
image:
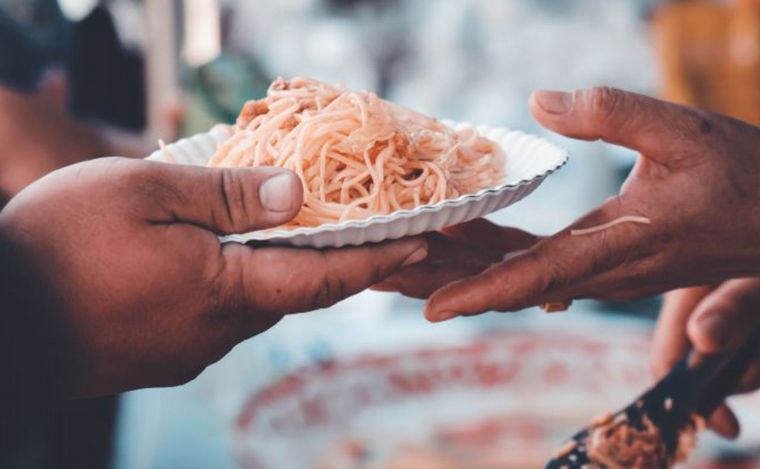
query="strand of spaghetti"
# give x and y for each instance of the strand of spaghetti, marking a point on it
(372, 174)
(363, 112)
(610, 224)
(344, 198)
(223, 151)
(322, 171)
(238, 151)
(165, 151)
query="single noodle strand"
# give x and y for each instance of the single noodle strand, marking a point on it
(610, 224)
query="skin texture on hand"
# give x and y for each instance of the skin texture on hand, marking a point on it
(711, 320)
(697, 179)
(143, 291)
(457, 252)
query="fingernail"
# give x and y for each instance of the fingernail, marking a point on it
(554, 102)
(276, 193)
(716, 328)
(415, 257)
(444, 316)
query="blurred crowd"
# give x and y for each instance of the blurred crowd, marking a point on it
(69, 90)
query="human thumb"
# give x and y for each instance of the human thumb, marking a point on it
(223, 200)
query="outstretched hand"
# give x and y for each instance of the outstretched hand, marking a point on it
(144, 291)
(696, 180)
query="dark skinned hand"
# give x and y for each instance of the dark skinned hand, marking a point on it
(144, 292)
(696, 179)
(711, 320)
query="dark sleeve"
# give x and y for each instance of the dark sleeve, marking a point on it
(24, 369)
(36, 430)
(26, 332)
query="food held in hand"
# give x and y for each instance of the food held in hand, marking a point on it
(356, 154)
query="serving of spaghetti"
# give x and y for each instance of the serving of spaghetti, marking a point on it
(356, 154)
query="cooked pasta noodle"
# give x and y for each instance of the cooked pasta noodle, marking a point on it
(610, 224)
(165, 151)
(356, 154)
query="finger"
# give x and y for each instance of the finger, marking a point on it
(497, 288)
(450, 249)
(420, 280)
(279, 280)
(670, 341)
(483, 233)
(448, 259)
(726, 317)
(465, 250)
(721, 322)
(751, 379)
(557, 268)
(222, 200)
(724, 422)
(660, 130)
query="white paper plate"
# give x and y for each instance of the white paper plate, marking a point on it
(529, 159)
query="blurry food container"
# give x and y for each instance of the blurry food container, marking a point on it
(358, 387)
(504, 400)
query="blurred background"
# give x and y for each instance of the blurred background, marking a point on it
(367, 383)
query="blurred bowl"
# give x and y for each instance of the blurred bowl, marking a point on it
(506, 400)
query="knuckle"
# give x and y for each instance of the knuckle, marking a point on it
(605, 101)
(226, 284)
(613, 110)
(513, 295)
(505, 292)
(232, 200)
(330, 290)
(152, 187)
(556, 275)
(379, 273)
(697, 125)
(226, 299)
